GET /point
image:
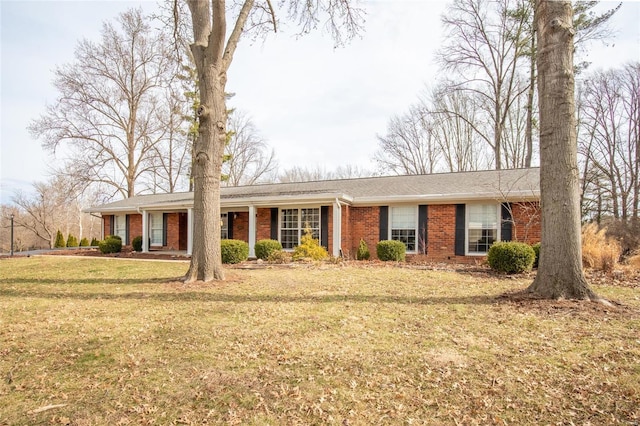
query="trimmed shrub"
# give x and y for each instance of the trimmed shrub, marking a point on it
(536, 250)
(60, 242)
(84, 242)
(363, 251)
(309, 248)
(391, 250)
(111, 244)
(136, 243)
(279, 257)
(511, 257)
(234, 251)
(94, 242)
(264, 248)
(72, 241)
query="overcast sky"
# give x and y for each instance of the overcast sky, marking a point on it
(315, 105)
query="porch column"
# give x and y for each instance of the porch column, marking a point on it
(337, 228)
(189, 231)
(252, 231)
(145, 231)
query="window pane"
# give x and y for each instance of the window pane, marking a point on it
(289, 238)
(224, 226)
(482, 227)
(403, 217)
(407, 236)
(155, 224)
(120, 226)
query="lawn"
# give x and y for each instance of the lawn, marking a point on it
(114, 342)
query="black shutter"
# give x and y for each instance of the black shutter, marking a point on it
(165, 222)
(112, 223)
(274, 223)
(422, 229)
(460, 229)
(126, 230)
(230, 225)
(384, 223)
(324, 227)
(506, 231)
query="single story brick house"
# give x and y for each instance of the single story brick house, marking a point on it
(444, 217)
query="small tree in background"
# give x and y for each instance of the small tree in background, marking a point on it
(59, 240)
(72, 241)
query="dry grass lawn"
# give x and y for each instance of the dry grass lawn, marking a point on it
(114, 342)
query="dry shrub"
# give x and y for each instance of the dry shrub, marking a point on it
(634, 261)
(598, 251)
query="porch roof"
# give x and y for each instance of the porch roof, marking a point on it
(500, 185)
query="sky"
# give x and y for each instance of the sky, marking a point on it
(315, 105)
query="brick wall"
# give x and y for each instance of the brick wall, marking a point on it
(135, 226)
(107, 225)
(441, 236)
(526, 221)
(241, 226)
(263, 224)
(364, 222)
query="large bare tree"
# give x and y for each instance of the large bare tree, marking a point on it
(213, 48)
(560, 273)
(248, 158)
(106, 111)
(486, 42)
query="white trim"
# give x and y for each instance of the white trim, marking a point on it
(190, 231)
(337, 227)
(252, 231)
(145, 231)
(153, 218)
(300, 224)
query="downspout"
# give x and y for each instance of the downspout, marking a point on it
(337, 229)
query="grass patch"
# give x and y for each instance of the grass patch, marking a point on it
(98, 341)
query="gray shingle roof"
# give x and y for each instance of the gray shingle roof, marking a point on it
(440, 187)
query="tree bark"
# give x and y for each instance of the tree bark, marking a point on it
(560, 273)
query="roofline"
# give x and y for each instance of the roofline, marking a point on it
(528, 195)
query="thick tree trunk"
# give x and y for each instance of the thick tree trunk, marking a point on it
(560, 273)
(530, 94)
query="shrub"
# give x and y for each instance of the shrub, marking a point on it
(111, 244)
(84, 242)
(234, 251)
(94, 242)
(60, 242)
(511, 257)
(279, 256)
(136, 243)
(391, 250)
(264, 248)
(598, 251)
(536, 250)
(309, 248)
(363, 251)
(72, 241)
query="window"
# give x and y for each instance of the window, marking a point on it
(224, 226)
(293, 223)
(156, 229)
(403, 226)
(482, 227)
(120, 227)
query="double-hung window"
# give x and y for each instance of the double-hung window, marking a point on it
(294, 222)
(404, 221)
(156, 229)
(224, 226)
(120, 227)
(482, 227)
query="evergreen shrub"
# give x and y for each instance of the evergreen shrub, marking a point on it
(264, 248)
(84, 242)
(511, 257)
(391, 250)
(72, 241)
(136, 243)
(309, 248)
(234, 251)
(111, 244)
(60, 242)
(363, 251)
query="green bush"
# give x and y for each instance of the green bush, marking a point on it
(234, 251)
(94, 242)
(391, 250)
(309, 248)
(84, 242)
(136, 243)
(511, 257)
(72, 241)
(60, 242)
(264, 248)
(111, 244)
(536, 250)
(363, 251)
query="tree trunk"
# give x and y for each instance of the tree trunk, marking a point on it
(560, 273)
(530, 94)
(206, 260)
